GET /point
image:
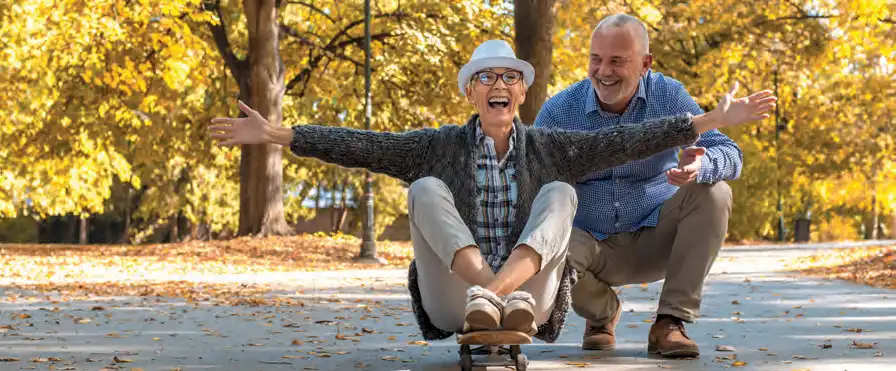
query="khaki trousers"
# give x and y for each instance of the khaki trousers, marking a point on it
(681, 248)
(437, 232)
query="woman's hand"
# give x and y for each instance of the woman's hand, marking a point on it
(735, 111)
(252, 129)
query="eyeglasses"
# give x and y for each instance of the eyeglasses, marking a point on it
(489, 78)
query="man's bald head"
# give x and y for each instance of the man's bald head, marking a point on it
(634, 25)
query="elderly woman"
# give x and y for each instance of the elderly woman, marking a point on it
(490, 203)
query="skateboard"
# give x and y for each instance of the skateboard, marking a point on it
(492, 345)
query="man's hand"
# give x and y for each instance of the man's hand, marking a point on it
(688, 166)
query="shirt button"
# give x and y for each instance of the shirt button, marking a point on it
(617, 225)
(616, 204)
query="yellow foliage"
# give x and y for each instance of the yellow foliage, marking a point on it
(105, 96)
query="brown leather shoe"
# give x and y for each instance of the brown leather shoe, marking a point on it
(668, 339)
(601, 337)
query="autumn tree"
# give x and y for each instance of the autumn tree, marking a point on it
(534, 31)
(113, 104)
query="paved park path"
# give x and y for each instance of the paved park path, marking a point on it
(361, 320)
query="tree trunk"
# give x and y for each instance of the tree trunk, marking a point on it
(534, 23)
(194, 230)
(893, 225)
(82, 230)
(125, 235)
(262, 88)
(343, 211)
(174, 230)
(334, 215)
(875, 222)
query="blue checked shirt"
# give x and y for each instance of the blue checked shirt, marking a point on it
(628, 197)
(497, 180)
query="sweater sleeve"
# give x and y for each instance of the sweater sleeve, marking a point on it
(398, 155)
(585, 152)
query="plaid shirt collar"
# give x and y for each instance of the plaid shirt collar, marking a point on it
(481, 139)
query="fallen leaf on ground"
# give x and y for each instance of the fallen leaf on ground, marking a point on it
(122, 360)
(724, 348)
(9, 359)
(739, 364)
(873, 266)
(418, 342)
(389, 358)
(860, 345)
(126, 264)
(578, 364)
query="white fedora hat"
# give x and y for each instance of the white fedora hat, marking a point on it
(493, 54)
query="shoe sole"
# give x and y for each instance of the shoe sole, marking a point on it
(674, 353)
(518, 317)
(483, 319)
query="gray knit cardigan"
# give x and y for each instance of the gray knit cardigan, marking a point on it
(449, 153)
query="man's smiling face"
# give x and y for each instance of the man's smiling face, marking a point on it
(617, 62)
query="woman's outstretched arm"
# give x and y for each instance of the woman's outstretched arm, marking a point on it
(395, 154)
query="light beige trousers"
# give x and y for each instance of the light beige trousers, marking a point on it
(681, 248)
(437, 232)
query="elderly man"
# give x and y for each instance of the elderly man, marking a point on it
(665, 216)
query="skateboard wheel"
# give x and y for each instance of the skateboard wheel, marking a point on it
(522, 363)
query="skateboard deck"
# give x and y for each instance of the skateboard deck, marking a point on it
(492, 346)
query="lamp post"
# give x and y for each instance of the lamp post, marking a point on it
(777, 50)
(778, 163)
(368, 241)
